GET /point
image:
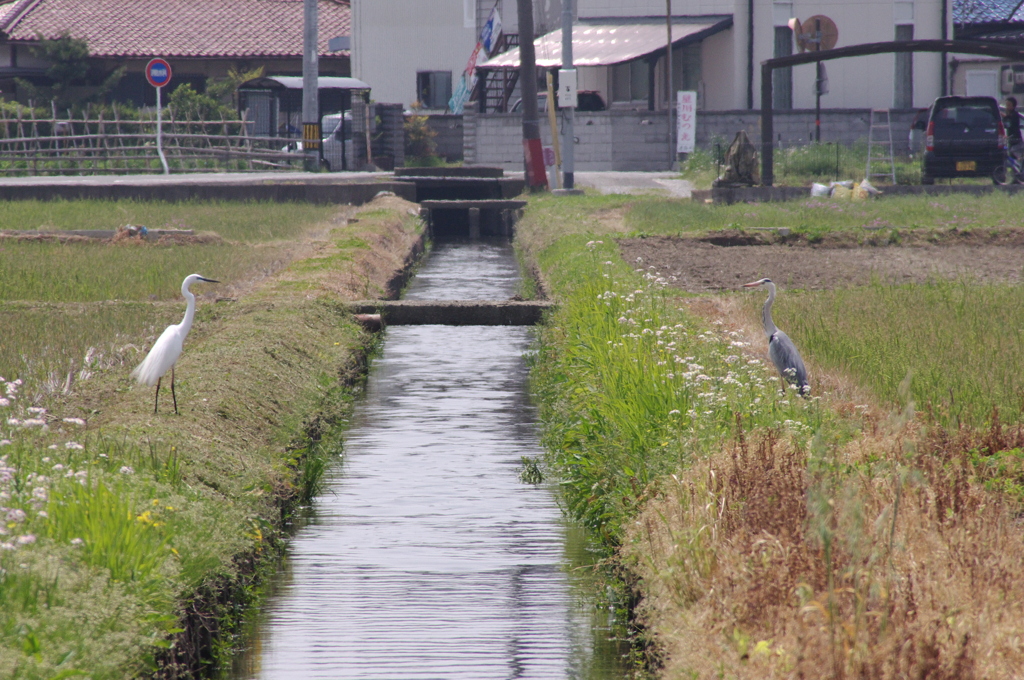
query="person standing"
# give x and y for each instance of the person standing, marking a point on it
(1011, 122)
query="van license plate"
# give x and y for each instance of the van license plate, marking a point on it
(966, 166)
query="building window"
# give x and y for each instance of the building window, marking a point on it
(782, 78)
(903, 77)
(631, 81)
(434, 89)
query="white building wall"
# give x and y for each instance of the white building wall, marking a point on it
(394, 39)
(862, 82)
(722, 88)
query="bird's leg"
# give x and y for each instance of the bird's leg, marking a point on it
(156, 399)
(175, 398)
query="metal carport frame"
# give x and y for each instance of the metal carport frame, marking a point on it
(769, 65)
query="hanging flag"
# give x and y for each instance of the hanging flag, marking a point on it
(466, 84)
(488, 40)
(491, 31)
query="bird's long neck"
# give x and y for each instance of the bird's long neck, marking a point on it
(190, 310)
(766, 314)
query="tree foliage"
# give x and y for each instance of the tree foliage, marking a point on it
(72, 77)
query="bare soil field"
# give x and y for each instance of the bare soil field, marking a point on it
(725, 260)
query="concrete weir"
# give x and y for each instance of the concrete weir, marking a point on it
(485, 217)
(454, 312)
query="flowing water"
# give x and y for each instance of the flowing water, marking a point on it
(427, 557)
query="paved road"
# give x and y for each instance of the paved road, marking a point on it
(665, 183)
(617, 182)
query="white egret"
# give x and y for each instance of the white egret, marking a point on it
(781, 349)
(167, 348)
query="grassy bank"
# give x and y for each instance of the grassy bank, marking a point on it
(131, 538)
(814, 218)
(767, 535)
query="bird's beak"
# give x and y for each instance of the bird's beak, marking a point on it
(208, 280)
(754, 284)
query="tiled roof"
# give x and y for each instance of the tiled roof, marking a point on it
(177, 28)
(984, 11)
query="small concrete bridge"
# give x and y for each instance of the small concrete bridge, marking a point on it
(454, 312)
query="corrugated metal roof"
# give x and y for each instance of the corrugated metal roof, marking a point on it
(606, 44)
(295, 83)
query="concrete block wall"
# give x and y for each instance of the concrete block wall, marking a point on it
(448, 131)
(607, 140)
(640, 141)
(391, 143)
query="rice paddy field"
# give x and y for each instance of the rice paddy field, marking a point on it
(131, 541)
(870, 530)
(68, 306)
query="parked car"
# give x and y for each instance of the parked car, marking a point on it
(586, 100)
(964, 137)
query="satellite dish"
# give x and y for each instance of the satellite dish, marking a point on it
(816, 33)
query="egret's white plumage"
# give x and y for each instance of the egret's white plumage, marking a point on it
(167, 348)
(781, 349)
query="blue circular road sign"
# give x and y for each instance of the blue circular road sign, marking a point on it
(158, 72)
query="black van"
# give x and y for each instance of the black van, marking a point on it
(964, 137)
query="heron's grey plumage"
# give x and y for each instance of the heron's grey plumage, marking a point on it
(781, 349)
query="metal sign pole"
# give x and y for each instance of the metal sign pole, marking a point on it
(159, 133)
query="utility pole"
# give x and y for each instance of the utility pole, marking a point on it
(533, 152)
(568, 112)
(310, 84)
(669, 94)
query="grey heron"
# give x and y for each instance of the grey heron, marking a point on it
(781, 349)
(167, 348)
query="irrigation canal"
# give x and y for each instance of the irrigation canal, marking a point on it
(427, 557)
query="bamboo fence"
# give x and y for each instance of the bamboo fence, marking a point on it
(113, 144)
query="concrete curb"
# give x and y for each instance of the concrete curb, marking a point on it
(295, 190)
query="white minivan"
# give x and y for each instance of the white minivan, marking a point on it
(336, 142)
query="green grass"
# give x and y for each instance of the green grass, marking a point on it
(961, 344)
(804, 164)
(255, 234)
(51, 330)
(249, 222)
(53, 347)
(100, 531)
(632, 389)
(552, 217)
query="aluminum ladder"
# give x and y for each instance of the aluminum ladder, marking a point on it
(880, 146)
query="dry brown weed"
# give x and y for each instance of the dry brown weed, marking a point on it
(883, 559)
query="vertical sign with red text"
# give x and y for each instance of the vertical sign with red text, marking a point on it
(686, 121)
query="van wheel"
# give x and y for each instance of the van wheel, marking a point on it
(927, 179)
